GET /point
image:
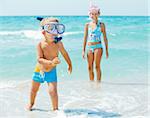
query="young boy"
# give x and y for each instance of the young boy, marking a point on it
(47, 58)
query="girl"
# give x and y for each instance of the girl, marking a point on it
(92, 32)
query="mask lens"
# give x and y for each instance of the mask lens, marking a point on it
(60, 28)
(50, 28)
(54, 28)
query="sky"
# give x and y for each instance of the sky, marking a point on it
(72, 7)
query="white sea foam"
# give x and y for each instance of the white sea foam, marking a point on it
(11, 84)
(34, 33)
(73, 33)
(79, 99)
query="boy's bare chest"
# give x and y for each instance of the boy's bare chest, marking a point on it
(50, 51)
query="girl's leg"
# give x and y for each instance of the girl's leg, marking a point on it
(90, 58)
(97, 57)
(34, 88)
(52, 88)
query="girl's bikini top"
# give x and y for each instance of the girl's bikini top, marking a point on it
(95, 35)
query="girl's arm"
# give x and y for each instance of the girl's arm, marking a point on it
(85, 39)
(105, 38)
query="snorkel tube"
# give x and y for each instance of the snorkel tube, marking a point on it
(39, 18)
(56, 38)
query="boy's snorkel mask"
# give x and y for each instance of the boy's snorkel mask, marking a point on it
(53, 28)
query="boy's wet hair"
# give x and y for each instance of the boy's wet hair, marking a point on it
(48, 20)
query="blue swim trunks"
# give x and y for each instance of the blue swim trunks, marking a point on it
(50, 76)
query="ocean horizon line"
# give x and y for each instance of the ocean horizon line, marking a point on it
(74, 15)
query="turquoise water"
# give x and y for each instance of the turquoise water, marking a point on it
(128, 47)
(124, 90)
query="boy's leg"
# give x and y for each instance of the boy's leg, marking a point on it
(97, 57)
(90, 58)
(34, 88)
(52, 89)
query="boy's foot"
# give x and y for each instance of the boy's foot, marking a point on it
(29, 107)
(60, 114)
(55, 109)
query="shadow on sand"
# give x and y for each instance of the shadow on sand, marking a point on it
(42, 110)
(90, 113)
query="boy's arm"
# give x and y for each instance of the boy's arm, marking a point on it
(65, 55)
(85, 39)
(105, 38)
(40, 56)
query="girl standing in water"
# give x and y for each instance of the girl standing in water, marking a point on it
(92, 37)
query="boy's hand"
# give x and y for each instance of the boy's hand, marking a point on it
(83, 54)
(56, 61)
(70, 69)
